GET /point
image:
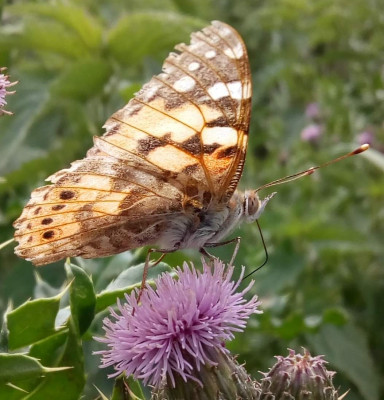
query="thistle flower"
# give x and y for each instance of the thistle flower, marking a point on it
(311, 133)
(179, 328)
(299, 376)
(4, 85)
(366, 137)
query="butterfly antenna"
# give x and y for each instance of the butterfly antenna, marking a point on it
(311, 170)
(265, 250)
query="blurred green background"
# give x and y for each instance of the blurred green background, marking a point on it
(317, 66)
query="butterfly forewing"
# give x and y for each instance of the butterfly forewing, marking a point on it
(178, 145)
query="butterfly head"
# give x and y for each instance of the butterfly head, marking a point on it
(253, 206)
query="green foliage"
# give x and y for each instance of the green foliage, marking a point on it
(54, 333)
(77, 62)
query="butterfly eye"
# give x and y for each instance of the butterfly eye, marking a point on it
(251, 204)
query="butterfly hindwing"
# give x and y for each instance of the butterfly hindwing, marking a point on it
(97, 207)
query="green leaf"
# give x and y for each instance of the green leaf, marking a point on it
(292, 326)
(18, 367)
(82, 297)
(32, 321)
(116, 266)
(127, 389)
(83, 79)
(28, 103)
(72, 32)
(281, 272)
(50, 350)
(9, 391)
(74, 18)
(125, 282)
(64, 149)
(152, 33)
(347, 349)
(60, 41)
(4, 333)
(335, 316)
(69, 383)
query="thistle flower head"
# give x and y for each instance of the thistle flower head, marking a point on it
(366, 137)
(299, 376)
(177, 327)
(311, 133)
(4, 85)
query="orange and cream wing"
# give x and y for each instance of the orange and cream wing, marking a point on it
(193, 119)
(96, 208)
(178, 145)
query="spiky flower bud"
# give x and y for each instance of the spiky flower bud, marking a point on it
(299, 376)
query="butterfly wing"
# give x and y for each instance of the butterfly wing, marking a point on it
(180, 143)
(96, 208)
(193, 119)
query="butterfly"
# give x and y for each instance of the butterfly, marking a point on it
(166, 170)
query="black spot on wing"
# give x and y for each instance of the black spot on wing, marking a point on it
(211, 148)
(227, 152)
(48, 234)
(67, 195)
(192, 145)
(145, 146)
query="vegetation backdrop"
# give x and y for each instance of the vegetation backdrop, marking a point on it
(79, 61)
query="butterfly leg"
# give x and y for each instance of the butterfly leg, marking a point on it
(147, 265)
(234, 240)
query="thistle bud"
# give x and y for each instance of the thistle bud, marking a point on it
(299, 376)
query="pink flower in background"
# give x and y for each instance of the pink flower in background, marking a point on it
(178, 326)
(366, 137)
(311, 133)
(4, 85)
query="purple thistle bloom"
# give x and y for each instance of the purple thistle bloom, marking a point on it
(178, 326)
(366, 137)
(311, 133)
(4, 85)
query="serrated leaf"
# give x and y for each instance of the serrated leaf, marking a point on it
(347, 349)
(32, 321)
(18, 367)
(82, 297)
(82, 80)
(125, 282)
(69, 383)
(150, 33)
